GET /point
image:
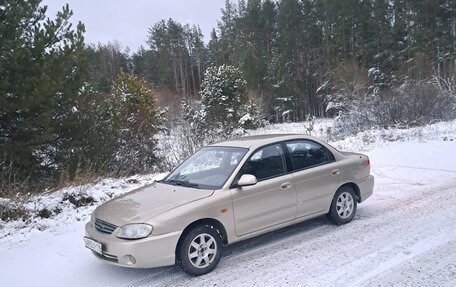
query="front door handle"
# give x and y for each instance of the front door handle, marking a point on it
(285, 185)
(335, 171)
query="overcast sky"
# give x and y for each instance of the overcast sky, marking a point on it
(128, 20)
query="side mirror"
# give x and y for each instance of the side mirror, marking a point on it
(247, 179)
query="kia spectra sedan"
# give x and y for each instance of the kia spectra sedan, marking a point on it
(225, 193)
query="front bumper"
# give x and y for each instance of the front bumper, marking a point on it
(153, 251)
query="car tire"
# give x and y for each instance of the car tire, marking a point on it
(343, 206)
(200, 250)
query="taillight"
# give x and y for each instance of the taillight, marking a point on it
(368, 162)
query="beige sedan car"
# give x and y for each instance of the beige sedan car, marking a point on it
(228, 192)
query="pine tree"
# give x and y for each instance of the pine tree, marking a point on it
(229, 34)
(176, 58)
(197, 53)
(105, 62)
(40, 71)
(289, 54)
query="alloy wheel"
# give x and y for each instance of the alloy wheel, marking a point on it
(345, 205)
(202, 250)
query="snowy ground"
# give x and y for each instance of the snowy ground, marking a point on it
(404, 235)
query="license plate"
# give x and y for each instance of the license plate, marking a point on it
(93, 245)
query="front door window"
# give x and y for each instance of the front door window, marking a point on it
(266, 163)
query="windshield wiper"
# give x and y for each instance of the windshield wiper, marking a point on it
(181, 183)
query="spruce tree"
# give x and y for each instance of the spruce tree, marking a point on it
(134, 120)
(224, 97)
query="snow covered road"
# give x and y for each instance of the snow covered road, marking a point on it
(404, 235)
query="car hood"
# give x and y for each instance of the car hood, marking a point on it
(142, 204)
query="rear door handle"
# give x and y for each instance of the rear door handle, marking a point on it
(335, 171)
(285, 185)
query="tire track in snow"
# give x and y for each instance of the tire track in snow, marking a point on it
(415, 250)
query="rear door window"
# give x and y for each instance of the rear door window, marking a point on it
(305, 154)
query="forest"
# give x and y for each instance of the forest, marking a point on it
(70, 110)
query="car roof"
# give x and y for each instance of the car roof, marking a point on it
(261, 140)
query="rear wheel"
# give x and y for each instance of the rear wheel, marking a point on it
(343, 207)
(200, 250)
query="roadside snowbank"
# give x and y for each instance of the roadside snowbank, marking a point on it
(52, 210)
(367, 140)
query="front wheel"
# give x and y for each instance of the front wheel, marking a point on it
(200, 250)
(343, 206)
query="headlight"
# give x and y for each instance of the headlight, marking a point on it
(134, 231)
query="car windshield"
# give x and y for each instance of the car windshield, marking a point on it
(209, 168)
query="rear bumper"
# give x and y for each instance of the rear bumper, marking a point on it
(153, 251)
(366, 187)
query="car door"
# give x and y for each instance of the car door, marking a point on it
(272, 200)
(315, 174)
